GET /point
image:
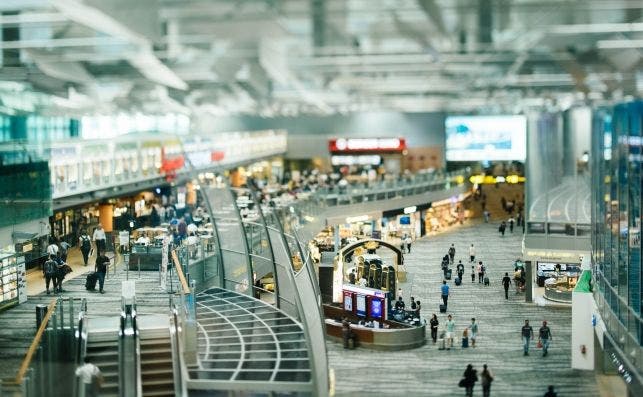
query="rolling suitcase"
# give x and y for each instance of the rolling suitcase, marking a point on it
(465, 343)
(486, 281)
(458, 281)
(443, 308)
(90, 282)
(447, 274)
(441, 344)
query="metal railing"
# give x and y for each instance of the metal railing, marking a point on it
(129, 371)
(81, 347)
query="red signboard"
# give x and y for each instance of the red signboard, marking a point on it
(357, 145)
(217, 155)
(171, 163)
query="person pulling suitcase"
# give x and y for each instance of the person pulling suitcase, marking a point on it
(101, 269)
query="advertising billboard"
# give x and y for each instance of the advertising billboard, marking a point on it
(480, 138)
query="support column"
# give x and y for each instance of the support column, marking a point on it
(318, 15)
(106, 216)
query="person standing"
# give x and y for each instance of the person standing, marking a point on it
(85, 244)
(418, 309)
(452, 253)
(473, 274)
(544, 336)
(408, 242)
(480, 272)
(182, 228)
(550, 392)
(527, 335)
(351, 277)
(486, 216)
(472, 253)
(486, 377)
(414, 305)
(346, 332)
(450, 327)
(511, 224)
(474, 331)
(445, 292)
(101, 269)
(434, 323)
(506, 281)
(469, 379)
(91, 376)
(100, 240)
(49, 270)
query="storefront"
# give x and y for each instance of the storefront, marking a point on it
(445, 213)
(402, 222)
(554, 273)
(13, 283)
(367, 156)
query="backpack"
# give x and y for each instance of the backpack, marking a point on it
(50, 267)
(86, 245)
(451, 251)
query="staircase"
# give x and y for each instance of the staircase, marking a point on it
(102, 350)
(493, 201)
(157, 373)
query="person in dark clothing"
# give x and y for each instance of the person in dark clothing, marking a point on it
(527, 333)
(469, 379)
(60, 272)
(346, 332)
(399, 304)
(486, 377)
(511, 224)
(544, 335)
(460, 270)
(85, 244)
(101, 269)
(434, 323)
(473, 274)
(502, 228)
(451, 253)
(550, 392)
(506, 281)
(351, 277)
(49, 269)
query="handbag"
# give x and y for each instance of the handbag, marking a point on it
(462, 383)
(539, 345)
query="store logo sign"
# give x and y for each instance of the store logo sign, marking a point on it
(410, 210)
(366, 144)
(360, 218)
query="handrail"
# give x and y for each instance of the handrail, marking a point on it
(81, 344)
(34, 344)
(177, 358)
(179, 272)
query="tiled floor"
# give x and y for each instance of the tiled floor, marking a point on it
(427, 371)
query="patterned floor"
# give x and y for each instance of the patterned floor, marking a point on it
(427, 371)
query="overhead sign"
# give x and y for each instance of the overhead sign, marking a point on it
(410, 210)
(359, 218)
(368, 159)
(347, 145)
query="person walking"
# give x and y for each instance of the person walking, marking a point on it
(473, 274)
(506, 281)
(450, 334)
(486, 215)
(434, 323)
(52, 248)
(100, 240)
(460, 270)
(408, 242)
(502, 228)
(451, 253)
(544, 336)
(346, 332)
(60, 273)
(480, 272)
(486, 377)
(91, 377)
(527, 335)
(49, 270)
(472, 253)
(474, 331)
(511, 224)
(101, 269)
(469, 379)
(445, 292)
(85, 244)
(64, 249)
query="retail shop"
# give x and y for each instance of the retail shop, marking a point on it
(408, 221)
(367, 156)
(13, 284)
(555, 273)
(445, 213)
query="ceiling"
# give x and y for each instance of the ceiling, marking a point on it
(288, 57)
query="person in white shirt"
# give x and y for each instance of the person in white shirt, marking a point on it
(408, 240)
(52, 249)
(472, 253)
(100, 240)
(91, 377)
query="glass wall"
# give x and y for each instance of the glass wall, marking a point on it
(617, 143)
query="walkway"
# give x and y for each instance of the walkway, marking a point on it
(427, 371)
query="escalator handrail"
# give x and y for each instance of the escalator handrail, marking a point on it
(128, 333)
(178, 368)
(81, 344)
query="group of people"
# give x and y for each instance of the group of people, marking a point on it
(469, 334)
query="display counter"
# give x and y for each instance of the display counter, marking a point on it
(397, 336)
(559, 289)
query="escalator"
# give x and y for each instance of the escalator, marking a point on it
(102, 350)
(157, 371)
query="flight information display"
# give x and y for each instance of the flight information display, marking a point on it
(480, 138)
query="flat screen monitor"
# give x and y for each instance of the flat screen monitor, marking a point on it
(376, 308)
(490, 138)
(405, 220)
(361, 305)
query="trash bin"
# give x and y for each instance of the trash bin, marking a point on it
(41, 312)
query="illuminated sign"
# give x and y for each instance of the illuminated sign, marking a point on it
(356, 160)
(410, 210)
(360, 218)
(366, 144)
(490, 179)
(361, 305)
(363, 291)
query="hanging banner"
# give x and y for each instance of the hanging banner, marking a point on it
(164, 261)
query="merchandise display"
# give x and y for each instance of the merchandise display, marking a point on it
(12, 280)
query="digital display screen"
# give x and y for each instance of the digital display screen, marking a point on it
(405, 220)
(361, 305)
(480, 138)
(376, 308)
(348, 301)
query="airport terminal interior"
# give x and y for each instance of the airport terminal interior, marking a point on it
(271, 198)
